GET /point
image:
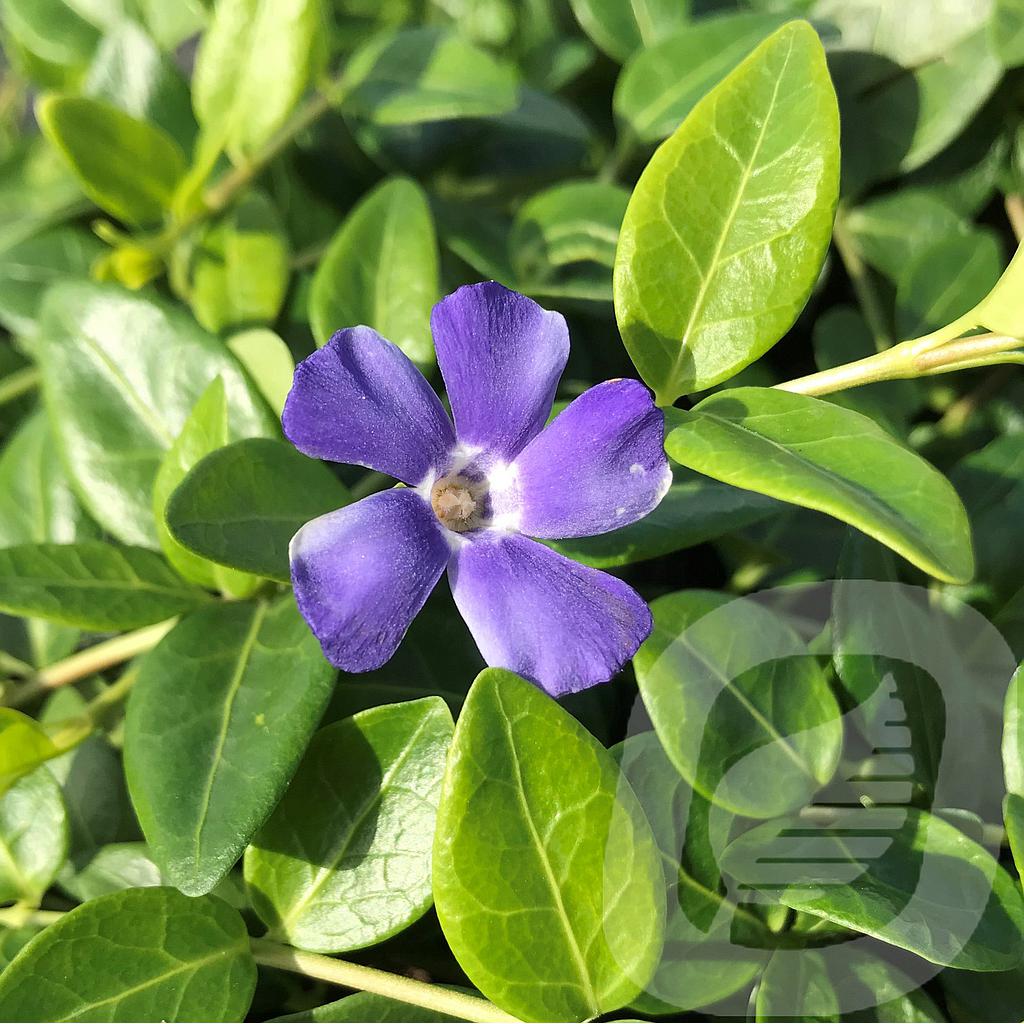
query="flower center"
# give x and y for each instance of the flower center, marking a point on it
(459, 502)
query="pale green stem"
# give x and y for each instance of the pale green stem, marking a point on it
(381, 983)
(863, 287)
(19, 383)
(921, 357)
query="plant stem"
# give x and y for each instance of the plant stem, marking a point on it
(68, 733)
(381, 983)
(863, 287)
(619, 157)
(93, 659)
(920, 357)
(18, 383)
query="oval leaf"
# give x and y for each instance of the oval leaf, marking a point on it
(33, 837)
(546, 875)
(834, 460)
(381, 270)
(217, 721)
(344, 861)
(728, 225)
(142, 954)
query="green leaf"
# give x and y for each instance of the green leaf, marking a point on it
(1001, 310)
(946, 280)
(1008, 31)
(205, 431)
(33, 837)
(54, 57)
(796, 987)
(729, 223)
(651, 95)
(571, 223)
(112, 868)
(899, 874)
(1013, 821)
(128, 167)
(253, 65)
(694, 510)
(241, 505)
(700, 963)
(240, 268)
(142, 954)
(743, 712)
(425, 74)
(344, 861)
(92, 585)
(268, 361)
(620, 27)
(574, 929)
(364, 1007)
(121, 374)
(381, 270)
(37, 505)
(815, 454)
(1013, 735)
(212, 736)
(23, 747)
(29, 267)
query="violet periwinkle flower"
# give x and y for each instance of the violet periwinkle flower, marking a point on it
(477, 493)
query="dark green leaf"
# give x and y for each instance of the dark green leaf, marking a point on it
(216, 724)
(815, 454)
(344, 861)
(743, 711)
(381, 270)
(121, 373)
(92, 585)
(128, 167)
(142, 954)
(902, 875)
(620, 27)
(728, 226)
(241, 505)
(546, 875)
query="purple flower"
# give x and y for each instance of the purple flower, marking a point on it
(477, 492)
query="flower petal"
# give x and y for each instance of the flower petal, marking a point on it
(501, 356)
(363, 572)
(360, 399)
(600, 464)
(558, 623)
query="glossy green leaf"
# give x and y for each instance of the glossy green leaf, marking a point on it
(92, 585)
(240, 268)
(728, 225)
(546, 875)
(23, 746)
(381, 270)
(700, 963)
(112, 868)
(796, 988)
(694, 510)
(128, 167)
(364, 1007)
(1013, 822)
(652, 97)
(213, 734)
(252, 68)
(205, 430)
(742, 710)
(241, 505)
(268, 361)
(344, 861)
(576, 222)
(425, 74)
(142, 954)
(33, 836)
(28, 268)
(1013, 735)
(902, 875)
(946, 280)
(620, 27)
(815, 454)
(1001, 310)
(36, 506)
(121, 373)
(13, 940)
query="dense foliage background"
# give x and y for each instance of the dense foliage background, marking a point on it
(193, 195)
